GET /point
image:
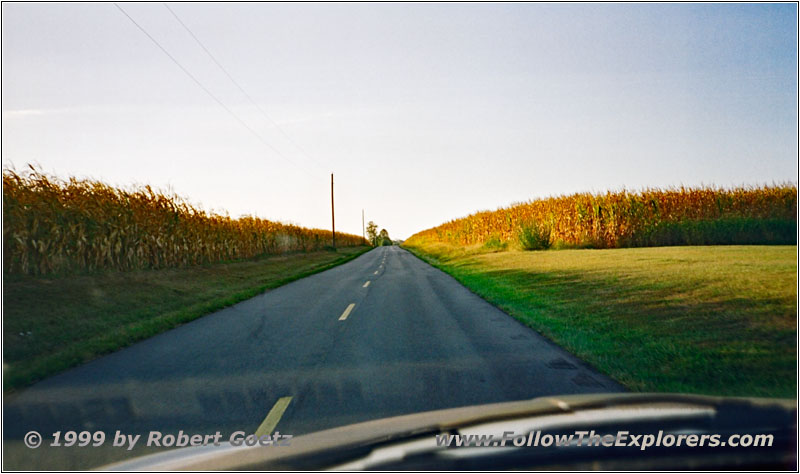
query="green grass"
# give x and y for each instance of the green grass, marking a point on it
(534, 236)
(714, 320)
(51, 324)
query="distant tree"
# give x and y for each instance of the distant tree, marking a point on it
(384, 237)
(372, 233)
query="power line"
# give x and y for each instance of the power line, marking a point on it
(205, 89)
(238, 86)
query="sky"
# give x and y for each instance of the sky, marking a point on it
(423, 112)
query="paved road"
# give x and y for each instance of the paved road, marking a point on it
(414, 340)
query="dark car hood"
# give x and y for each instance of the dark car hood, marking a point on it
(337, 446)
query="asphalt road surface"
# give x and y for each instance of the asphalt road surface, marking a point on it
(383, 335)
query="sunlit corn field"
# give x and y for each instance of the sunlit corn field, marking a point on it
(53, 226)
(682, 215)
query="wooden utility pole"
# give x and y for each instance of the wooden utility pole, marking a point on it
(333, 216)
(363, 232)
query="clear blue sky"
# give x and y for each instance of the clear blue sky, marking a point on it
(425, 112)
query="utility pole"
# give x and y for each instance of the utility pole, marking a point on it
(363, 232)
(333, 216)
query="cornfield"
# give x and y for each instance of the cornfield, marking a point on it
(622, 219)
(51, 226)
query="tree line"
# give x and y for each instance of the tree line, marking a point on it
(377, 238)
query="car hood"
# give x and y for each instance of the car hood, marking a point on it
(338, 446)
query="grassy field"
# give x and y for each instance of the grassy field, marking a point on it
(51, 324)
(709, 319)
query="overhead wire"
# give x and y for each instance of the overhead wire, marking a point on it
(238, 86)
(209, 93)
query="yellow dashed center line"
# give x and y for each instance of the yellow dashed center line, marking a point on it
(347, 312)
(273, 417)
(366, 284)
(376, 272)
